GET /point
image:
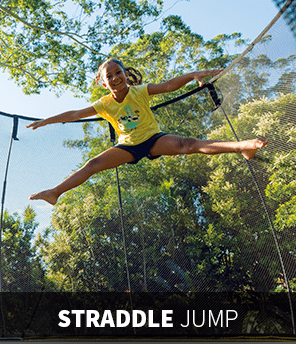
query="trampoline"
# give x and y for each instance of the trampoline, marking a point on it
(177, 226)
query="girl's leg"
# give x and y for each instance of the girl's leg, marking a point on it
(173, 145)
(111, 158)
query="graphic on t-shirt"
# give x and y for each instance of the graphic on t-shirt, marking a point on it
(130, 120)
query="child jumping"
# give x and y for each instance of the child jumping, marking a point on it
(127, 109)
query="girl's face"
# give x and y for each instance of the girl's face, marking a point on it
(114, 78)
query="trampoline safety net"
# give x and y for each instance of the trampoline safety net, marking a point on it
(192, 223)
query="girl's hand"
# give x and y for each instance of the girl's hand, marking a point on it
(68, 116)
(199, 76)
(36, 124)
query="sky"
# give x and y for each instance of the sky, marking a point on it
(207, 18)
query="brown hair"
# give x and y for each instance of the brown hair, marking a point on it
(134, 76)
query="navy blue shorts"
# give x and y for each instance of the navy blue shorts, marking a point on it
(143, 149)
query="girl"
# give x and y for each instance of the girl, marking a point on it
(127, 109)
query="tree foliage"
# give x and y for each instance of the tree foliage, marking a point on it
(161, 200)
(22, 268)
(58, 45)
(191, 222)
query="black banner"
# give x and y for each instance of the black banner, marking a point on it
(145, 315)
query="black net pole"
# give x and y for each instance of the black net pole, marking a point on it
(112, 139)
(13, 137)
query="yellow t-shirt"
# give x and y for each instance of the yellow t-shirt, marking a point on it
(132, 119)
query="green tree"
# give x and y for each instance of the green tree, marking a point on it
(58, 45)
(233, 195)
(255, 76)
(21, 266)
(189, 220)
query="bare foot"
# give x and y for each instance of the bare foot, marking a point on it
(249, 147)
(46, 195)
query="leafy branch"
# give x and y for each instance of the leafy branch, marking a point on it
(67, 34)
(5, 65)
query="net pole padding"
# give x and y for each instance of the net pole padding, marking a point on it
(251, 46)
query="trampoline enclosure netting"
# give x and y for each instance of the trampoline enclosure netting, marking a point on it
(192, 223)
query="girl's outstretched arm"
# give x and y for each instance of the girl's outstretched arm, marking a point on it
(69, 116)
(176, 83)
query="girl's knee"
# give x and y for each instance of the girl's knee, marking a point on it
(186, 145)
(93, 165)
